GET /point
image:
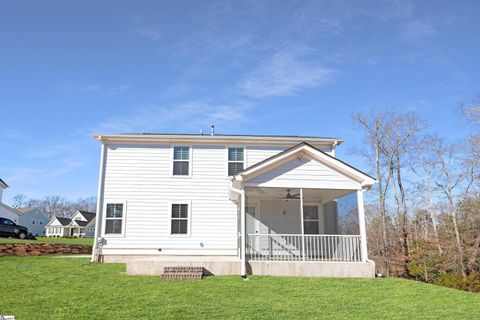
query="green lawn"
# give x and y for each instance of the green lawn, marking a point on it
(88, 241)
(61, 288)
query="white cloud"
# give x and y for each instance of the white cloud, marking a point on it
(10, 134)
(286, 73)
(113, 91)
(188, 117)
(150, 33)
(416, 30)
(83, 88)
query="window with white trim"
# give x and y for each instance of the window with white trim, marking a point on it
(311, 220)
(181, 161)
(235, 160)
(179, 219)
(114, 218)
(33, 221)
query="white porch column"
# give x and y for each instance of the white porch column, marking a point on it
(361, 224)
(301, 221)
(243, 269)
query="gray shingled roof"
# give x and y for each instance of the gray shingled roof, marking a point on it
(89, 216)
(81, 223)
(4, 183)
(64, 221)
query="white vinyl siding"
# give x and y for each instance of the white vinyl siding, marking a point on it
(7, 212)
(304, 173)
(142, 175)
(256, 154)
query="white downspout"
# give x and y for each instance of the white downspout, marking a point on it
(99, 202)
(241, 192)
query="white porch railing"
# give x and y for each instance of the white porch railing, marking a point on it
(296, 247)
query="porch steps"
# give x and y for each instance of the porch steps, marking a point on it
(182, 273)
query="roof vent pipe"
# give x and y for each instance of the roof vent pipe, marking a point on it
(212, 132)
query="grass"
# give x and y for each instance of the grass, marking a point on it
(55, 288)
(87, 241)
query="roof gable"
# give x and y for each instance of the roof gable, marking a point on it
(10, 209)
(307, 164)
(3, 184)
(89, 216)
(303, 172)
(60, 220)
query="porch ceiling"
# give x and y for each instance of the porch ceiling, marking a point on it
(323, 195)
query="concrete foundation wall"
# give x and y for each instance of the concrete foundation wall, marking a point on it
(219, 266)
(215, 265)
(312, 269)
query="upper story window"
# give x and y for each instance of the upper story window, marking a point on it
(235, 160)
(181, 161)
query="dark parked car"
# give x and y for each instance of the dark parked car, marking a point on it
(8, 228)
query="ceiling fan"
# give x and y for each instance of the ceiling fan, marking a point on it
(290, 196)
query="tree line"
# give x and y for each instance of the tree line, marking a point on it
(55, 206)
(423, 216)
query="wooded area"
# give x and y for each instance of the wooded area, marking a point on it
(423, 217)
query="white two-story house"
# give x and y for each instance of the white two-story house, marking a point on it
(80, 224)
(232, 204)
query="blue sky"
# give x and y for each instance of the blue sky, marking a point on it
(69, 69)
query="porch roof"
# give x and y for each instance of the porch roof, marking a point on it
(296, 162)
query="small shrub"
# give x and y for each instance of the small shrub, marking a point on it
(469, 283)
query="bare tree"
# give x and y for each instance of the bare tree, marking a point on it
(56, 205)
(373, 128)
(390, 139)
(454, 177)
(19, 201)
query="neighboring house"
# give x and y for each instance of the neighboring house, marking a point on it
(7, 211)
(80, 224)
(34, 220)
(228, 203)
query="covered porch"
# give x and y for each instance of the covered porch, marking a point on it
(74, 231)
(303, 225)
(302, 213)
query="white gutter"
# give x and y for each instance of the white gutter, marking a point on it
(241, 192)
(284, 141)
(99, 202)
